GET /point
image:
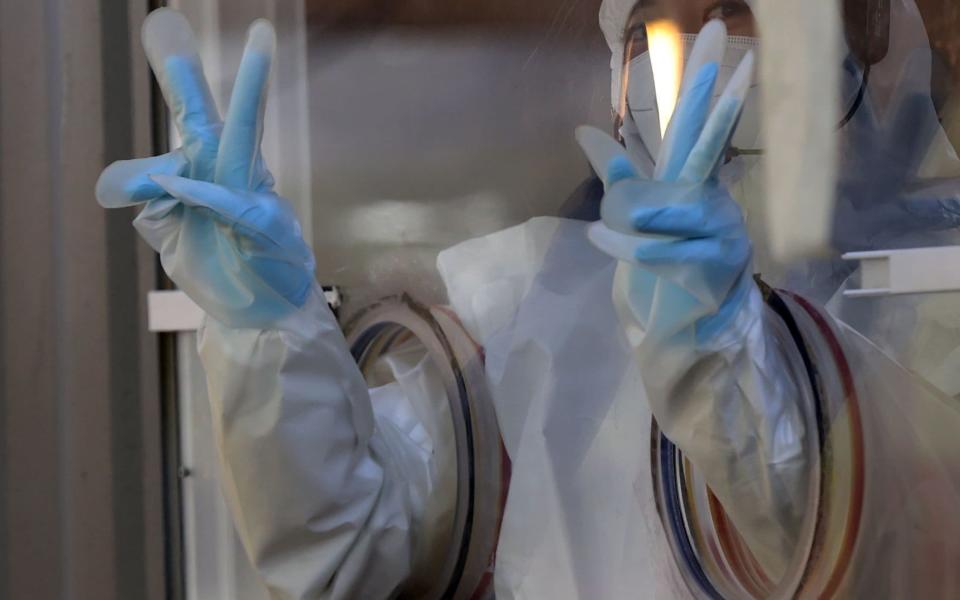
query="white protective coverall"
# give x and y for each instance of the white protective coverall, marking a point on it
(333, 494)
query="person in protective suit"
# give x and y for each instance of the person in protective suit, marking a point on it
(334, 495)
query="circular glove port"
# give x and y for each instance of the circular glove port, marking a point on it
(457, 561)
(713, 557)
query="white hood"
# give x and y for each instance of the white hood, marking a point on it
(614, 15)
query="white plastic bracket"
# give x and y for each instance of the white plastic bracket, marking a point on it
(910, 271)
(173, 310)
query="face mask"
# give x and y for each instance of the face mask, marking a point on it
(642, 101)
(641, 130)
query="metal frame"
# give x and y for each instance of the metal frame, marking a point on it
(82, 506)
(483, 471)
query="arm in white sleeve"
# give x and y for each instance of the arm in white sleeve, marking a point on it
(730, 403)
(319, 497)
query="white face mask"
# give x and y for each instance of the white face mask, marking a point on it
(641, 130)
(641, 98)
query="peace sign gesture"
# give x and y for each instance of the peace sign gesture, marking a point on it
(224, 236)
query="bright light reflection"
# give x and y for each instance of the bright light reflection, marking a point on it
(666, 60)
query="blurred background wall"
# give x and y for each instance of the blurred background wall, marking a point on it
(81, 477)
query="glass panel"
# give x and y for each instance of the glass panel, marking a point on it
(215, 564)
(427, 378)
(804, 441)
(432, 123)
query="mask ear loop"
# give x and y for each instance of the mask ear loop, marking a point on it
(858, 101)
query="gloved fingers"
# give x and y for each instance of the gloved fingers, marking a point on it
(619, 168)
(693, 105)
(718, 130)
(243, 127)
(710, 47)
(686, 220)
(231, 205)
(699, 251)
(628, 195)
(687, 123)
(600, 149)
(621, 246)
(273, 218)
(252, 214)
(171, 50)
(884, 154)
(702, 261)
(127, 182)
(706, 268)
(712, 143)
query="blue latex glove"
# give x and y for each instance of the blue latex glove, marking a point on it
(683, 234)
(717, 368)
(224, 236)
(696, 272)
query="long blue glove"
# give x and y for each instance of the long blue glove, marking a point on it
(695, 273)
(683, 233)
(224, 236)
(714, 366)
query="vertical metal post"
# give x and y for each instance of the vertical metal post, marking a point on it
(81, 508)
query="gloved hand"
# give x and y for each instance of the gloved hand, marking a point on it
(683, 235)
(716, 365)
(696, 272)
(224, 237)
(895, 160)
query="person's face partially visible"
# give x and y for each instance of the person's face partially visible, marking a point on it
(691, 15)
